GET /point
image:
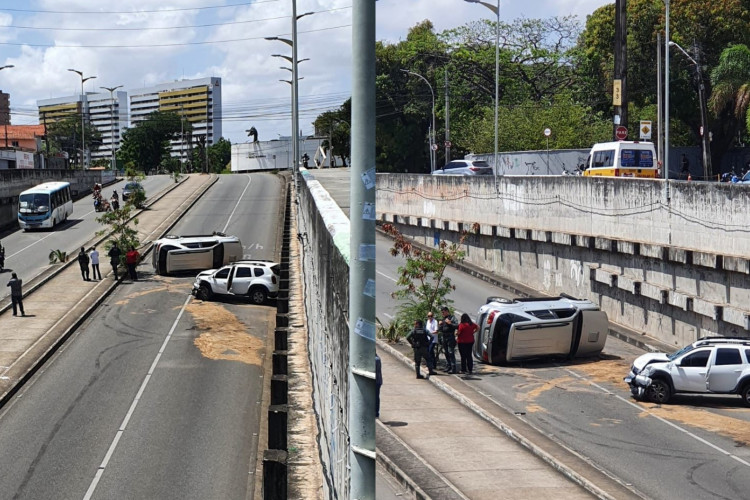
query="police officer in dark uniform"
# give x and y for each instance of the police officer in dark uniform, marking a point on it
(420, 342)
(447, 329)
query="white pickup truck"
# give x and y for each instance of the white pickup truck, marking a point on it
(712, 365)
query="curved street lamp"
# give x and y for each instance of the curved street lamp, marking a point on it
(83, 114)
(432, 151)
(496, 10)
(112, 121)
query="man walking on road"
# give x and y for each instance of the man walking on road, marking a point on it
(95, 263)
(83, 263)
(16, 295)
(114, 257)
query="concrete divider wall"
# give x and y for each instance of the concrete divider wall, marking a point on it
(324, 230)
(664, 269)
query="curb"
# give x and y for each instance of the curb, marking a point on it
(60, 341)
(508, 431)
(396, 472)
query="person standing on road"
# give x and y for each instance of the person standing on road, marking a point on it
(16, 295)
(466, 330)
(83, 263)
(94, 255)
(448, 330)
(420, 341)
(114, 257)
(431, 325)
(131, 260)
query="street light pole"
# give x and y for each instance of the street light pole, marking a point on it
(496, 10)
(7, 118)
(432, 150)
(705, 142)
(666, 91)
(112, 122)
(83, 114)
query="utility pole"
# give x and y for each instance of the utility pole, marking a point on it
(361, 423)
(705, 134)
(659, 105)
(621, 66)
(447, 122)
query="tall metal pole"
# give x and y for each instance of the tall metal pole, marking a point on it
(432, 141)
(112, 122)
(666, 90)
(205, 146)
(362, 252)
(7, 118)
(295, 98)
(659, 107)
(83, 115)
(447, 121)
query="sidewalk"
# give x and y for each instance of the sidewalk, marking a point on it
(449, 452)
(55, 310)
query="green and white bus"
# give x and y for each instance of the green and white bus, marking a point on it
(45, 205)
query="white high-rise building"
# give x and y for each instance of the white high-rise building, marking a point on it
(197, 101)
(107, 113)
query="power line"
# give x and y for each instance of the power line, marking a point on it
(32, 11)
(183, 44)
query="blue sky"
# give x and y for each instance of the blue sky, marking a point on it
(137, 43)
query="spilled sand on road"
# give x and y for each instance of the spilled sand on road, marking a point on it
(612, 371)
(166, 285)
(223, 335)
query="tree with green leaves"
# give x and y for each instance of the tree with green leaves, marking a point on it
(731, 88)
(146, 145)
(423, 281)
(122, 227)
(64, 136)
(219, 155)
(336, 125)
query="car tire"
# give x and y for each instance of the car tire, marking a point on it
(745, 393)
(659, 391)
(204, 292)
(257, 295)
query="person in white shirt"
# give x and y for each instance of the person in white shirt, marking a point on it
(431, 325)
(94, 254)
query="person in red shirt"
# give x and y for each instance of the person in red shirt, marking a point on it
(466, 330)
(131, 260)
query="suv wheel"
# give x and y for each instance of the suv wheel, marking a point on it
(659, 391)
(204, 292)
(745, 393)
(257, 295)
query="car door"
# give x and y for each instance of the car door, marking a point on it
(242, 279)
(689, 373)
(725, 370)
(220, 280)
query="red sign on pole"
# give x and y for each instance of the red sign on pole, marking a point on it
(621, 133)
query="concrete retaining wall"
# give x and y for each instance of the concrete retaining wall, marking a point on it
(324, 230)
(672, 267)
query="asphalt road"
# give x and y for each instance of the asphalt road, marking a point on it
(694, 448)
(157, 395)
(27, 253)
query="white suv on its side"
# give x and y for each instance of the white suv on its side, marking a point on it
(711, 365)
(255, 279)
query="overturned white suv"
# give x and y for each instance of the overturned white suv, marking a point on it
(255, 279)
(711, 365)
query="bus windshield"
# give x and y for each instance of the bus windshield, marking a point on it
(34, 203)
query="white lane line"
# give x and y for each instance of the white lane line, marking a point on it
(662, 419)
(136, 400)
(249, 181)
(386, 276)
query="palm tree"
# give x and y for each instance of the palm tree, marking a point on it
(731, 84)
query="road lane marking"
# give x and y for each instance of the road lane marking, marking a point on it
(661, 419)
(386, 276)
(249, 181)
(133, 405)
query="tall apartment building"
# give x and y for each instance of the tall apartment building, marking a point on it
(107, 113)
(197, 101)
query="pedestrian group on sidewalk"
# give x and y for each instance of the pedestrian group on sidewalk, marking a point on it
(426, 337)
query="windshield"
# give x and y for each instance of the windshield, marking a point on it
(33, 203)
(679, 353)
(747, 176)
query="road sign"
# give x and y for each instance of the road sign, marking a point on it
(547, 132)
(448, 144)
(645, 130)
(621, 133)
(434, 147)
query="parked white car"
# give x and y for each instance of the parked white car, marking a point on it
(255, 279)
(189, 253)
(715, 365)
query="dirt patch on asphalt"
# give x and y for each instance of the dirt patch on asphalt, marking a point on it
(165, 284)
(610, 371)
(733, 428)
(223, 335)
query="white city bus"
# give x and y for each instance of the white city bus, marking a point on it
(44, 205)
